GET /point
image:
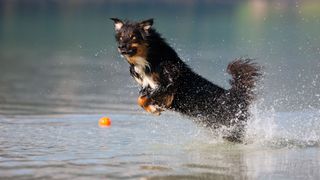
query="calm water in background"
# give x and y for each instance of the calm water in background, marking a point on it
(60, 72)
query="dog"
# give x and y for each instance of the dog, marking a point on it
(169, 83)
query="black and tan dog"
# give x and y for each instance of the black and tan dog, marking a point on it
(168, 83)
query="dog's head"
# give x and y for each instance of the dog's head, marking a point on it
(132, 36)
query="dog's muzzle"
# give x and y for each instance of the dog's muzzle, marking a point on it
(127, 50)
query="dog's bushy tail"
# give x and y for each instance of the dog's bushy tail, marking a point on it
(245, 75)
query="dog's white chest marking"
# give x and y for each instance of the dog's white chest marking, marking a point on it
(144, 79)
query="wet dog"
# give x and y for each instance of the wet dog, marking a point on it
(168, 83)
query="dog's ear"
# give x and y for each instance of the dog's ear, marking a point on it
(146, 25)
(117, 23)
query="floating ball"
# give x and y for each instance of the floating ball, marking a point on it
(104, 122)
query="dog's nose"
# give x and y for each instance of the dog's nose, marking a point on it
(121, 46)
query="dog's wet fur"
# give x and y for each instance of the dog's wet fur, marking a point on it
(168, 83)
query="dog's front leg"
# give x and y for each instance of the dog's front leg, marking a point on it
(163, 96)
(147, 103)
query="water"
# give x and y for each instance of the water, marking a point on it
(60, 72)
(136, 146)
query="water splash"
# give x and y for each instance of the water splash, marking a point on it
(283, 129)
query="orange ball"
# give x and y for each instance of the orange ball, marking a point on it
(104, 122)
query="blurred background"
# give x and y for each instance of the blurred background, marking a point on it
(59, 56)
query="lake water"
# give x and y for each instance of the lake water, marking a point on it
(60, 72)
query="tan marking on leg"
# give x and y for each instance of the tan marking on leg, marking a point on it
(168, 100)
(144, 102)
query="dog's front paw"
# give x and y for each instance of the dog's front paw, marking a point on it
(153, 109)
(146, 103)
(144, 100)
